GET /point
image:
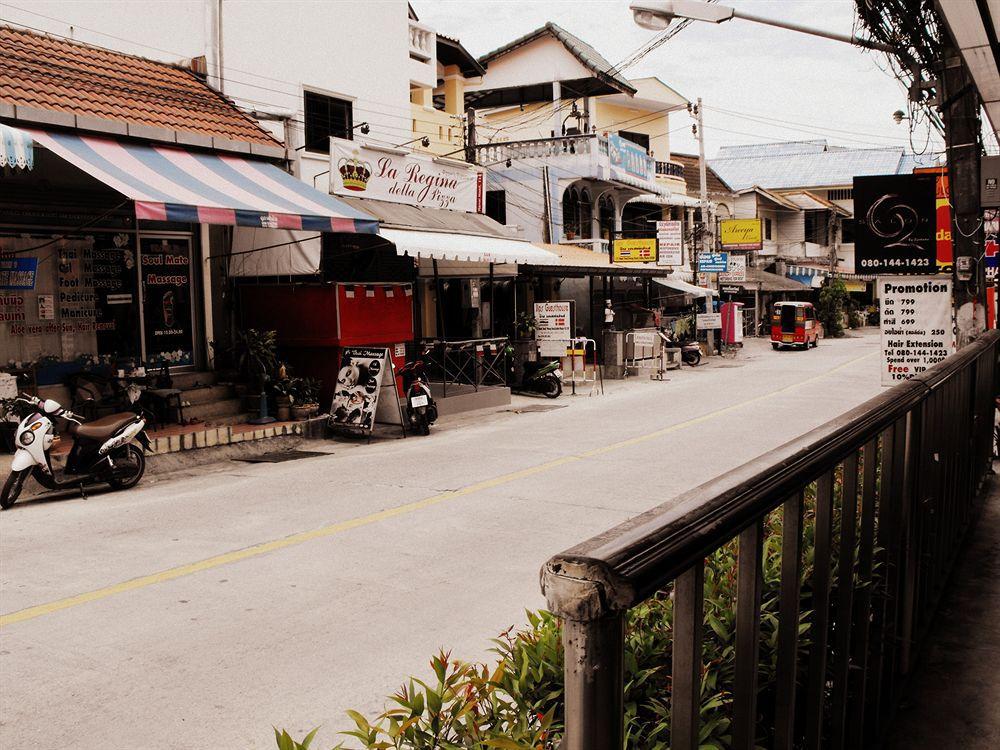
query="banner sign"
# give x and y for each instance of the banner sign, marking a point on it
(895, 224)
(942, 203)
(741, 234)
(737, 271)
(670, 238)
(629, 159)
(633, 250)
(416, 179)
(713, 262)
(18, 273)
(731, 289)
(359, 383)
(553, 327)
(916, 325)
(705, 321)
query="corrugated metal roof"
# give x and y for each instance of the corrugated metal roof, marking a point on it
(744, 150)
(804, 169)
(587, 55)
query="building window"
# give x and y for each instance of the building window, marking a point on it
(496, 205)
(586, 216)
(767, 229)
(847, 232)
(840, 194)
(640, 139)
(326, 116)
(571, 213)
(606, 216)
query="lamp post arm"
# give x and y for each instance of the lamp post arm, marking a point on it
(849, 38)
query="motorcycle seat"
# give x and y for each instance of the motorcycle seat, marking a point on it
(103, 428)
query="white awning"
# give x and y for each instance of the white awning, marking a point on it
(467, 247)
(670, 199)
(274, 252)
(16, 148)
(698, 292)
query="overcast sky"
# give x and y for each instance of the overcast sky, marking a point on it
(781, 85)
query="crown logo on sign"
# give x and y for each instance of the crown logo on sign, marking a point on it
(354, 173)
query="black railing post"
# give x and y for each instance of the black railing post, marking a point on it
(788, 623)
(749, 585)
(685, 702)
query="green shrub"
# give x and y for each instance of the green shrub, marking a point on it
(830, 310)
(517, 703)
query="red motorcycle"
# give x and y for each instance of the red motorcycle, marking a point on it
(421, 411)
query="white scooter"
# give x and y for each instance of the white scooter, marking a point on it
(103, 450)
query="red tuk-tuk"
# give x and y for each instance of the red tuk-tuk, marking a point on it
(794, 324)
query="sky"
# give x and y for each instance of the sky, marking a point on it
(758, 83)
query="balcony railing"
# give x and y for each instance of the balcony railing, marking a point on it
(875, 504)
(540, 148)
(669, 169)
(423, 42)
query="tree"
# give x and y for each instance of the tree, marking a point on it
(830, 311)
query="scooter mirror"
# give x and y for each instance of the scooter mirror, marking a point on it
(51, 407)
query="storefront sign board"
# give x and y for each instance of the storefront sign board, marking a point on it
(18, 273)
(896, 224)
(731, 289)
(634, 250)
(713, 262)
(553, 327)
(706, 321)
(629, 159)
(916, 324)
(359, 383)
(364, 171)
(737, 271)
(740, 234)
(670, 238)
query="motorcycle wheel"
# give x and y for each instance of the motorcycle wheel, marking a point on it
(552, 388)
(128, 476)
(425, 428)
(694, 359)
(12, 487)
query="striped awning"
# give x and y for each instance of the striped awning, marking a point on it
(16, 148)
(169, 183)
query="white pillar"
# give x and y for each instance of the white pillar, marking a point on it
(206, 295)
(556, 119)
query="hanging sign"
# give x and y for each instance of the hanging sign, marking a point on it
(670, 238)
(18, 273)
(737, 270)
(365, 171)
(553, 327)
(628, 159)
(895, 224)
(633, 250)
(731, 289)
(740, 234)
(916, 325)
(713, 262)
(706, 321)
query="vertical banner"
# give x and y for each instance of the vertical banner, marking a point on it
(166, 298)
(916, 325)
(896, 224)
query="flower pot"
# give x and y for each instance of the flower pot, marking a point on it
(302, 411)
(284, 412)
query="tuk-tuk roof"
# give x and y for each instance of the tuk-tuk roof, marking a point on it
(793, 303)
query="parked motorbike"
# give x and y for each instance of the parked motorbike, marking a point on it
(690, 351)
(103, 450)
(421, 411)
(539, 377)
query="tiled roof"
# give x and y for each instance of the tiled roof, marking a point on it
(587, 55)
(808, 165)
(713, 182)
(49, 73)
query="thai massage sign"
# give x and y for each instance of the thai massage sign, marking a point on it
(365, 171)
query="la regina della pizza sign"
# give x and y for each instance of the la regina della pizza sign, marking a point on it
(366, 171)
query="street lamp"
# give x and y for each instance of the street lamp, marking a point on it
(656, 15)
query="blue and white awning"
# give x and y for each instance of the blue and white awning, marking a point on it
(16, 148)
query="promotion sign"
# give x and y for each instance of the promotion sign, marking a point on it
(895, 224)
(713, 262)
(18, 273)
(628, 159)
(419, 180)
(359, 383)
(916, 325)
(737, 272)
(706, 321)
(741, 234)
(633, 250)
(670, 238)
(553, 327)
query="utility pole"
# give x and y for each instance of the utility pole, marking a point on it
(960, 112)
(706, 239)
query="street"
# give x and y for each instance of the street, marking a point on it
(198, 611)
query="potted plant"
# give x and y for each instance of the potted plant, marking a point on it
(306, 398)
(284, 397)
(525, 326)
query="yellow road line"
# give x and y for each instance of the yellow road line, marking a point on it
(337, 528)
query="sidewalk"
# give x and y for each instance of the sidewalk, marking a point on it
(954, 698)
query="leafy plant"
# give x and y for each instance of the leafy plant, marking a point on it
(255, 353)
(525, 325)
(830, 310)
(307, 390)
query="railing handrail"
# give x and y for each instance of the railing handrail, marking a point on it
(530, 141)
(628, 563)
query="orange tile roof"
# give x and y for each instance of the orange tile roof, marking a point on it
(55, 74)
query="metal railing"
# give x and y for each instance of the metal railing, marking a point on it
(469, 362)
(909, 463)
(669, 169)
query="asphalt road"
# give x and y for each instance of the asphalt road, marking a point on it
(199, 610)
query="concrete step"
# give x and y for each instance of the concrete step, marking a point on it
(209, 393)
(212, 410)
(186, 380)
